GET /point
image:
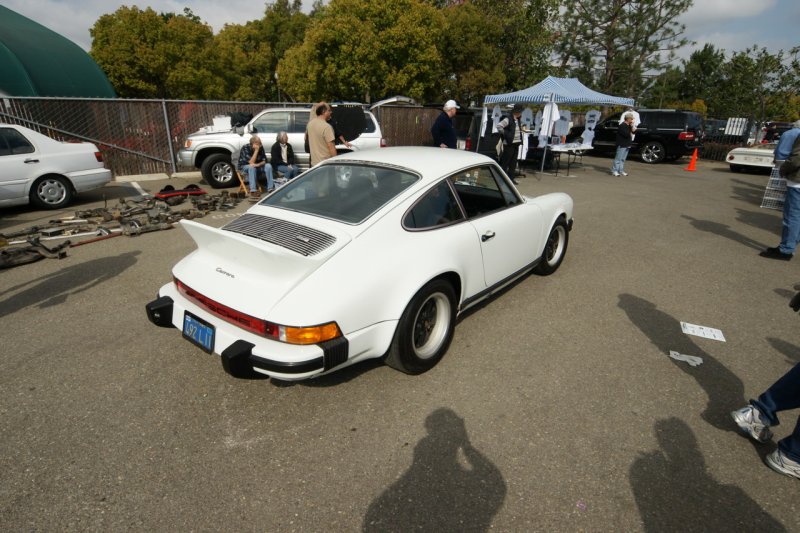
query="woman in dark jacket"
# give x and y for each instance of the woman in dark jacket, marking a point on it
(624, 141)
(282, 157)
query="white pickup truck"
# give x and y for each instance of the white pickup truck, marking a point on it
(215, 152)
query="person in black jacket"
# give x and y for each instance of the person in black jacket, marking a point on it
(624, 141)
(443, 132)
(511, 130)
(282, 157)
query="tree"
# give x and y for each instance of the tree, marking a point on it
(752, 81)
(360, 49)
(150, 55)
(610, 44)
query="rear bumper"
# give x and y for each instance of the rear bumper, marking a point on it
(240, 356)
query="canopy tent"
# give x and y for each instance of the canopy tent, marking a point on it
(560, 91)
(557, 91)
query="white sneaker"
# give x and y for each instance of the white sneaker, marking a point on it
(624, 173)
(783, 465)
(615, 173)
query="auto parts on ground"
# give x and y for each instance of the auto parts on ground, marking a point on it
(174, 196)
(130, 216)
(33, 251)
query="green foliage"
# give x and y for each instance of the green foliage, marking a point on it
(611, 44)
(147, 55)
(357, 49)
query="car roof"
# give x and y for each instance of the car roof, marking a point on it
(429, 162)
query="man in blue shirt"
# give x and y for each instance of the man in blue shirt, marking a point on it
(786, 141)
(790, 233)
(443, 132)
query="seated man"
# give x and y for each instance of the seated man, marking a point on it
(282, 157)
(253, 160)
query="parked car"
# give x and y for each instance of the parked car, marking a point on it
(755, 157)
(212, 151)
(662, 135)
(47, 173)
(371, 254)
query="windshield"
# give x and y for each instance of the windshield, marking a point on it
(347, 192)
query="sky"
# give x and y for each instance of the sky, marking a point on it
(731, 25)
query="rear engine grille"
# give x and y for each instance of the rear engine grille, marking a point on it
(295, 237)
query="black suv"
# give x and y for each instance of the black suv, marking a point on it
(664, 134)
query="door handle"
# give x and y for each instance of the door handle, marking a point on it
(486, 236)
(31, 161)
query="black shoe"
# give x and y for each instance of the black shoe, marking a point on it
(775, 253)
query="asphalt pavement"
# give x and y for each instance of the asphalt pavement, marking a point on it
(557, 407)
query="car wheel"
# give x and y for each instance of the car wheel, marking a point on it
(652, 152)
(736, 168)
(51, 192)
(425, 329)
(217, 170)
(554, 249)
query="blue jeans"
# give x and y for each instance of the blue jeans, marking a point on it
(619, 159)
(783, 395)
(252, 174)
(287, 172)
(790, 235)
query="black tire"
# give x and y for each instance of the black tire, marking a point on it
(425, 329)
(736, 168)
(554, 249)
(652, 152)
(51, 192)
(218, 171)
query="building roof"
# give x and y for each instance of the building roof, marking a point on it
(36, 61)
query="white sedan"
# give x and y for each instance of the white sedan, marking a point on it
(368, 255)
(756, 157)
(37, 169)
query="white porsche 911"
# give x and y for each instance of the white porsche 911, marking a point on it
(371, 254)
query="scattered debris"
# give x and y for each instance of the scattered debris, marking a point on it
(130, 217)
(702, 331)
(693, 360)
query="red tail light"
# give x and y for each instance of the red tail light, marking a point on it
(244, 321)
(98, 156)
(383, 143)
(686, 136)
(468, 144)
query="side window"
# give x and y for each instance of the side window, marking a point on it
(436, 208)
(14, 143)
(480, 191)
(272, 122)
(300, 122)
(369, 126)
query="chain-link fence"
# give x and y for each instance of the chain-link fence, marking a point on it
(143, 136)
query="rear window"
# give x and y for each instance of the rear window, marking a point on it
(346, 192)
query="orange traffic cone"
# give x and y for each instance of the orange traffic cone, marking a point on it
(693, 163)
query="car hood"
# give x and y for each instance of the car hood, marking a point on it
(253, 271)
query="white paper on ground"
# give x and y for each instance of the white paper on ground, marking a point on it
(693, 360)
(702, 331)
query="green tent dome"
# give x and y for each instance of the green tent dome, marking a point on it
(36, 61)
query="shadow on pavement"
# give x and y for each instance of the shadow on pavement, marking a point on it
(674, 491)
(451, 486)
(56, 288)
(723, 230)
(724, 389)
(789, 350)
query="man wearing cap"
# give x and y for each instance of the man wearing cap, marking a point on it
(511, 130)
(443, 132)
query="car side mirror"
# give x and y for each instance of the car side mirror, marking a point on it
(240, 130)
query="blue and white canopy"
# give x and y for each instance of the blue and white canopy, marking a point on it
(560, 91)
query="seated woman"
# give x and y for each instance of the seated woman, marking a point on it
(253, 160)
(282, 157)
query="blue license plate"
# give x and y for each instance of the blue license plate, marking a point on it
(198, 331)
